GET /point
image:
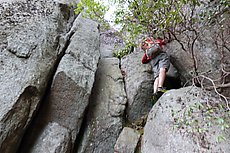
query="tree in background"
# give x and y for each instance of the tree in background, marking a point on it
(167, 18)
(179, 20)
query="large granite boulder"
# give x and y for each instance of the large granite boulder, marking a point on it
(106, 109)
(127, 141)
(54, 139)
(187, 120)
(29, 35)
(72, 84)
(138, 85)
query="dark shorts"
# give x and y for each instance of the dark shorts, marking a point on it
(160, 61)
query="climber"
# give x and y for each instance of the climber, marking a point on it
(159, 61)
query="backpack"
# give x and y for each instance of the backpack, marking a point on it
(151, 41)
(155, 46)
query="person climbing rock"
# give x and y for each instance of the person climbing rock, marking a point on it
(159, 60)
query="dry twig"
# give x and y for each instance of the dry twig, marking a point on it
(215, 88)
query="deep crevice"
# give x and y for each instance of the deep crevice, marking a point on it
(126, 105)
(84, 124)
(80, 135)
(35, 117)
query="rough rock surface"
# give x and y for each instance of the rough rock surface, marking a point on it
(35, 34)
(107, 104)
(167, 132)
(138, 84)
(127, 141)
(54, 139)
(110, 43)
(72, 83)
(177, 56)
(210, 56)
(29, 34)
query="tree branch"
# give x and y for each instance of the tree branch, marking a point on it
(218, 86)
(215, 88)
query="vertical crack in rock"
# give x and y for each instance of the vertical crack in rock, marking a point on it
(63, 43)
(103, 122)
(124, 82)
(16, 119)
(71, 84)
(138, 85)
(29, 59)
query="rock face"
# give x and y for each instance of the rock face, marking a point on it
(29, 33)
(179, 123)
(54, 139)
(211, 56)
(127, 141)
(72, 84)
(107, 104)
(58, 95)
(138, 84)
(109, 43)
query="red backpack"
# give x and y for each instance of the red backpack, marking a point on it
(151, 41)
(155, 46)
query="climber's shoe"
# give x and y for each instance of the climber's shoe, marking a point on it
(161, 90)
(158, 94)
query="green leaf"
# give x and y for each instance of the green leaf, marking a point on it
(220, 120)
(221, 138)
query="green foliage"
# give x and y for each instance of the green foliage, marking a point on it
(122, 52)
(167, 18)
(129, 46)
(93, 10)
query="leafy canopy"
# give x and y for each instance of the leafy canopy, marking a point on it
(165, 18)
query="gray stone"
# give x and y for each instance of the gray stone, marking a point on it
(127, 141)
(29, 32)
(181, 60)
(69, 2)
(211, 57)
(54, 139)
(139, 85)
(110, 43)
(72, 83)
(107, 105)
(166, 132)
(172, 72)
(85, 46)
